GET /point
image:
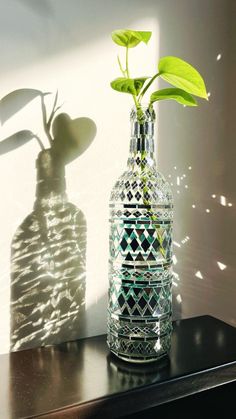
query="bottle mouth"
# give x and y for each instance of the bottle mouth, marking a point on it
(144, 113)
(143, 105)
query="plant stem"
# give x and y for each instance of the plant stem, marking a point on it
(136, 101)
(127, 62)
(142, 93)
(53, 111)
(121, 68)
(144, 179)
(137, 104)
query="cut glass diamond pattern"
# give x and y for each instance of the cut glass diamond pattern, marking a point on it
(140, 266)
(122, 196)
(127, 214)
(142, 303)
(145, 245)
(123, 244)
(129, 196)
(131, 302)
(146, 196)
(134, 244)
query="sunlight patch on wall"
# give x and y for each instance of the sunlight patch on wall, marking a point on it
(222, 200)
(222, 266)
(82, 76)
(176, 244)
(199, 275)
(179, 298)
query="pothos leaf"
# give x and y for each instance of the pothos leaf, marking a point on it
(127, 85)
(178, 95)
(181, 74)
(129, 38)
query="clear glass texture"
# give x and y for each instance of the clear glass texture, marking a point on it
(140, 260)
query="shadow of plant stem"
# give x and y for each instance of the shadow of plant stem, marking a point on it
(48, 250)
(67, 138)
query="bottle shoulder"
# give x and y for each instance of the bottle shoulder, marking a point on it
(148, 186)
(35, 221)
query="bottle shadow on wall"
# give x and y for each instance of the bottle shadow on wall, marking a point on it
(48, 249)
(48, 264)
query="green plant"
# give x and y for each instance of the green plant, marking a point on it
(186, 79)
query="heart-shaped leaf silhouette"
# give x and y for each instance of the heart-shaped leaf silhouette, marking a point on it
(14, 141)
(72, 136)
(16, 100)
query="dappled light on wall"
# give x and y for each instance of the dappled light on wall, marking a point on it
(84, 91)
(48, 250)
(48, 265)
(50, 47)
(181, 182)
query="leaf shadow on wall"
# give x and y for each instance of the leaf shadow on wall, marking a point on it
(48, 249)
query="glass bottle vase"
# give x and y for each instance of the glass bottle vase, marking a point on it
(140, 259)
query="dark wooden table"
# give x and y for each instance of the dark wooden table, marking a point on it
(82, 380)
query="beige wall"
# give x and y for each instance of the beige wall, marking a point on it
(66, 45)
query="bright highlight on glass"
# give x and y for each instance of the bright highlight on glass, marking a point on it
(185, 240)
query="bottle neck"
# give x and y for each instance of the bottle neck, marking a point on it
(142, 148)
(51, 184)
